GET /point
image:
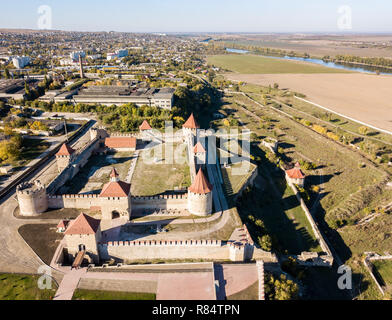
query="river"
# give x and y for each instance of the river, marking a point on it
(333, 65)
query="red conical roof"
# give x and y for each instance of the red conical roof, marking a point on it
(199, 148)
(65, 150)
(201, 185)
(145, 126)
(83, 224)
(114, 173)
(191, 123)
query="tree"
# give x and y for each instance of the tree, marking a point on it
(363, 130)
(265, 243)
(280, 289)
(7, 73)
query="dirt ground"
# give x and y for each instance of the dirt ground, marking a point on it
(362, 97)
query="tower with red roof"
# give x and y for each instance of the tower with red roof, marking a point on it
(190, 127)
(200, 196)
(84, 234)
(64, 157)
(116, 198)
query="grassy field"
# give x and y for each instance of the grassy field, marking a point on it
(281, 213)
(342, 182)
(338, 172)
(362, 97)
(250, 293)
(81, 294)
(384, 269)
(42, 238)
(158, 177)
(22, 287)
(253, 64)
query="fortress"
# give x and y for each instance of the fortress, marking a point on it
(86, 237)
(115, 200)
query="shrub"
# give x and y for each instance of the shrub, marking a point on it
(265, 243)
(320, 129)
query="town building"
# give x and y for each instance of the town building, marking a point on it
(20, 62)
(76, 54)
(121, 144)
(296, 176)
(118, 95)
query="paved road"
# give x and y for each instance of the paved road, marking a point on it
(15, 255)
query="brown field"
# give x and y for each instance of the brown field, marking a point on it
(362, 97)
(364, 45)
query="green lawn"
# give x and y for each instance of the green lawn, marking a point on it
(250, 293)
(253, 64)
(384, 269)
(22, 287)
(81, 294)
(151, 178)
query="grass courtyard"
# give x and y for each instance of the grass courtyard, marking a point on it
(96, 173)
(253, 64)
(81, 294)
(23, 287)
(156, 173)
(384, 270)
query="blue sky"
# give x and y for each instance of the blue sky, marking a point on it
(200, 15)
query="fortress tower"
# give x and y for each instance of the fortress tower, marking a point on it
(190, 127)
(99, 133)
(200, 196)
(64, 157)
(200, 154)
(32, 198)
(116, 199)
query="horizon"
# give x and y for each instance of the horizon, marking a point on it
(220, 16)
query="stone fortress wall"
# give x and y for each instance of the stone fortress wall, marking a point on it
(80, 160)
(132, 251)
(163, 202)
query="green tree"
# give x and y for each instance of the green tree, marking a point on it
(7, 73)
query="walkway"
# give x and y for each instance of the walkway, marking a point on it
(69, 284)
(169, 284)
(232, 279)
(132, 168)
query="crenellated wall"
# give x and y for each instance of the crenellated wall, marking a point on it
(163, 202)
(79, 161)
(167, 250)
(87, 202)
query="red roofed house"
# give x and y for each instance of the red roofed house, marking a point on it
(200, 196)
(121, 144)
(84, 234)
(115, 199)
(190, 126)
(296, 176)
(62, 226)
(64, 157)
